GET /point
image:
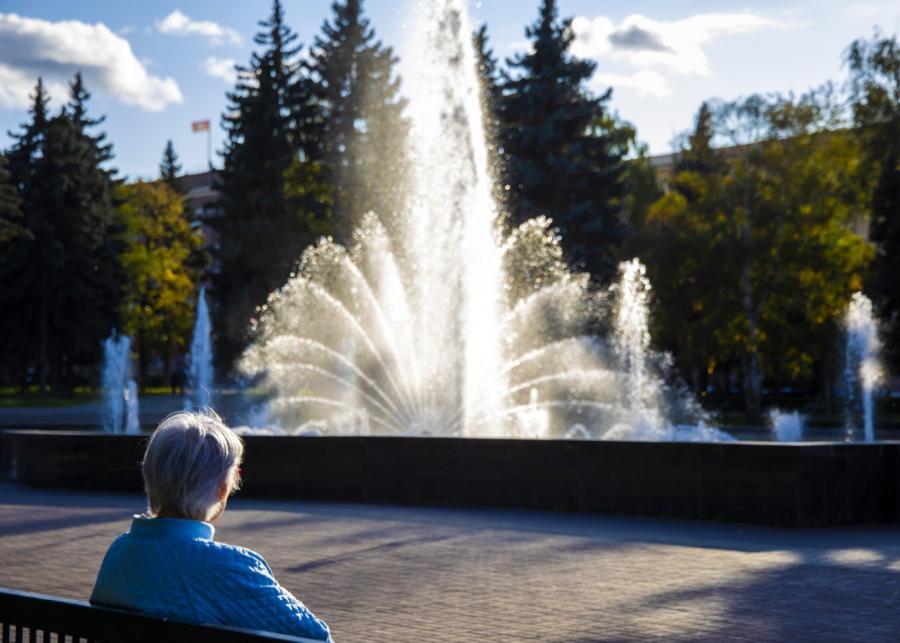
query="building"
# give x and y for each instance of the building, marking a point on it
(201, 198)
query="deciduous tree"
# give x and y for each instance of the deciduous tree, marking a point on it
(161, 273)
(755, 250)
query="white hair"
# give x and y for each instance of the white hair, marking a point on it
(189, 457)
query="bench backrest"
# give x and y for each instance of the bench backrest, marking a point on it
(29, 617)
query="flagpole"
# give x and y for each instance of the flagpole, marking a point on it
(209, 147)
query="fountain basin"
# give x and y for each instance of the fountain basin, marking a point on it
(776, 484)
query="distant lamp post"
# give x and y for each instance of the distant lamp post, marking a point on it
(203, 126)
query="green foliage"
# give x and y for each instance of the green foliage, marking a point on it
(169, 167)
(63, 278)
(492, 104)
(272, 122)
(641, 188)
(10, 207)
(875, 102)
(363, 136)
(160, 270)
(562, 160)
(754, 252)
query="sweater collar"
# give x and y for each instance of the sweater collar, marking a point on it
(171, 528)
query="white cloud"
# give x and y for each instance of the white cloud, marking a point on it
(178, 24)
(655, 47)
(220, 68)
(31, 47)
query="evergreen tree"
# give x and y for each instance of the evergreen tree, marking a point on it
(69, 272)
(169, 167)
(562, 161)
(492, 104)
(698, 155)
(272, 123)
(364, 132)
(24, 298)
(85, 221)
(10, 206)
(875, 84)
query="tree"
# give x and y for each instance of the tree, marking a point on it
(641, 188)
(10, 206)
(560, 158)
(363, 138)
(687, 231)
(23, 322)
(68, 274)
(169, 167)
(756, 254)
(87, 225)
(492, 105)
(160, 272)
(875, 102)
(272, 123)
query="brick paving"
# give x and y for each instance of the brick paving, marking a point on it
(412, 574)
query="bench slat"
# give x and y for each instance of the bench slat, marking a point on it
(81, 619)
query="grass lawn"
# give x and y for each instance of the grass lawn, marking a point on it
(14, 396)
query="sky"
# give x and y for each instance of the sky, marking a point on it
(154, 67)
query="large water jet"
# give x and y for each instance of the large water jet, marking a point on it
(449, 324)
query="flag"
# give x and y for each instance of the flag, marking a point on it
(200, 126)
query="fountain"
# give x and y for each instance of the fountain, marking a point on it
(447, 324)
(200, 364)
(120, 395)
(787, 426)
(132, 409)
(862, 369)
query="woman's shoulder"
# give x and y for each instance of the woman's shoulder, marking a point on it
(234, 556)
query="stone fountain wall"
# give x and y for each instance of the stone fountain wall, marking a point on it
(789, 485)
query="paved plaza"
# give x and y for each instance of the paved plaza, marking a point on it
(411, 574)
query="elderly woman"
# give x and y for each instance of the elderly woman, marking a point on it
(168, 564)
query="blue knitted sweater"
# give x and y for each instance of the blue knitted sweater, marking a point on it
(171, 567)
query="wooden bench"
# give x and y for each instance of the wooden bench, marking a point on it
(26, 617)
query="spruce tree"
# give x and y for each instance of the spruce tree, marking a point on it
(24, 298)
(68, 268)
(698, 154)
(90, 228)
(10, 206)
(561, 161)
(271, 125)
(492, 104)
(169, 167)
(364, 132)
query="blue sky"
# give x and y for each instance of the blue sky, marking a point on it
(154, 67)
